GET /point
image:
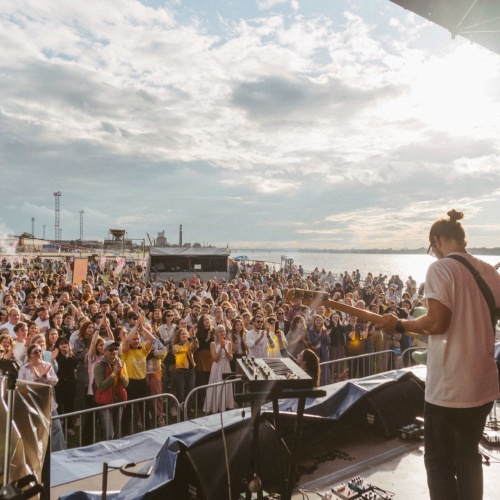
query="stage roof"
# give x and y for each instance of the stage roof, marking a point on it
(476, 20)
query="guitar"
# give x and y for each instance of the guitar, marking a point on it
(323, 299)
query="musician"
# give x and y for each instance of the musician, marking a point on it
(462, 377)
(309, 362)
(306, 359)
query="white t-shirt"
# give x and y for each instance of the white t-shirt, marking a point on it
(461, 369)
(20, 352)
(42, 324)
(258, 349)
(10, 327)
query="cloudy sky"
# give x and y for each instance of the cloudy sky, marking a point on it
(261, 123)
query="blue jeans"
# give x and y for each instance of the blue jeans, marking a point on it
(183, 383)
(110, 420)
(452, 459)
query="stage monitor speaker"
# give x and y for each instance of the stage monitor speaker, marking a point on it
(200, 472)
(387, 408)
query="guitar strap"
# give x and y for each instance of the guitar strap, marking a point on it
(485, 289)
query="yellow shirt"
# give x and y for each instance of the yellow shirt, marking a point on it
(135, 361)
(184, 354)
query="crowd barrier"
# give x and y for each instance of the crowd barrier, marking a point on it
(195, 399)
(365, 365)
(143, 415)
(146, 414)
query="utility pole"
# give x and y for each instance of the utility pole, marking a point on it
(81, 226)
(81, 231)
(57, 197)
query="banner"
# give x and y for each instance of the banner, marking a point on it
(80, 271)
(121, 264)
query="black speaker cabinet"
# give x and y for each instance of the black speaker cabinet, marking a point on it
(387, 408)
(201, 470)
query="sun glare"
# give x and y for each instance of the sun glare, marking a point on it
(451, 92)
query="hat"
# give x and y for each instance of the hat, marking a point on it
(109, 344)
(113, 292)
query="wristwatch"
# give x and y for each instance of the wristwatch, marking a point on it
(399, 327)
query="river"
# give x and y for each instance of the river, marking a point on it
(405, 265)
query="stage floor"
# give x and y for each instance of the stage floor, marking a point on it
(393, 465)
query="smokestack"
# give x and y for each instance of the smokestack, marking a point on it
(180, 235)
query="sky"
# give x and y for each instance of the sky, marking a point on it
(253, 123)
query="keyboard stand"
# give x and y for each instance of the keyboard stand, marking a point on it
(257, 399)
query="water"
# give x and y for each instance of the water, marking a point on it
(405, 265)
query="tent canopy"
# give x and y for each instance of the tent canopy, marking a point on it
(189, 251)
(476, 20)
(176, 261)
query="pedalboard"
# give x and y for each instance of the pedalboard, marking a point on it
(491, 438)
(357, 488)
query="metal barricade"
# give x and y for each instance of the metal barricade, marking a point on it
(143, 413)
(363, 365)
(407, 359)
(193, 405)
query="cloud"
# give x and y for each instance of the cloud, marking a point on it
(332, 123)
(269, 4)
(484, 165)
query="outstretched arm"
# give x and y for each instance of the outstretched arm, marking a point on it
(435, 322)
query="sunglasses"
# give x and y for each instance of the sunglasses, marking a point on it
(36, 351)
(2, 351)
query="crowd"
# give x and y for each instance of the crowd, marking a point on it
(119, 337)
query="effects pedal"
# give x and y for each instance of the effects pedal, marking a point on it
(358, 488)
(413, 431)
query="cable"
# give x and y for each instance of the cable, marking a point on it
(489, 458)
(224, 436)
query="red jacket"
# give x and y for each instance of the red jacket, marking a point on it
(112, 388)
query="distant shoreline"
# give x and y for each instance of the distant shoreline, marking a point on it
(369, 251)
(235, 251)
